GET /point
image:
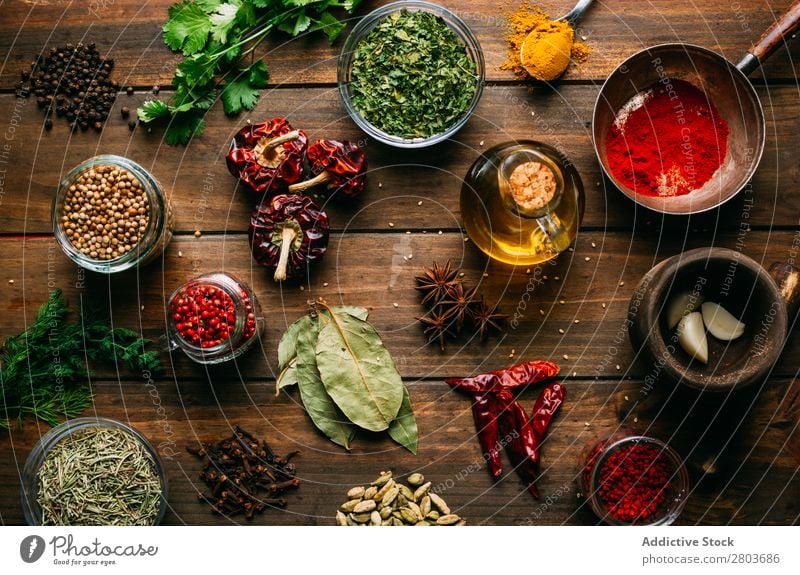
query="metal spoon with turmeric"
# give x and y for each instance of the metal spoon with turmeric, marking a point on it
(545, 53)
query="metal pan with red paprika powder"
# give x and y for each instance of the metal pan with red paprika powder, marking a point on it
(733, 126)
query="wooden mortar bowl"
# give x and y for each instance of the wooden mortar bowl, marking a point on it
(742, 287)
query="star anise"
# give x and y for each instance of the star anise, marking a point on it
(436, 281)
(437, 326)
(456, 304)
(486, 318)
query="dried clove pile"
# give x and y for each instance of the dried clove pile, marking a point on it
(74, 82)
(244, 475)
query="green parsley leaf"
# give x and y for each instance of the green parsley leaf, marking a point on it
(259, 75)
(329, 24)
(183, 126)
(297, 26)
(208, 6)
(238, 94)
(187, 28)
(153, 110)
(223, 19)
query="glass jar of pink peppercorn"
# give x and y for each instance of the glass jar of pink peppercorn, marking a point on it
(214, 318)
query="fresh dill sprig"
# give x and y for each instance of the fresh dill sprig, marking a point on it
(44, 371)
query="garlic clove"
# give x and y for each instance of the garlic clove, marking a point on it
(720, 323)
(682, 304)
(692, 336)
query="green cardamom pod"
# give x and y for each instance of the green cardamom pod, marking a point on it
(364, 506)
(390, 496)
(356, 493)
(416, 479)
(383, 490)
(448, 520)
(361, 517)
(406, 492)
(425, 506)
(382, 479)
(349, 506)
(439, 503)
(421, 491)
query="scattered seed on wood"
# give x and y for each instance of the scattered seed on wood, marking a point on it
(197, 233)
(565, 356)
(560, 330)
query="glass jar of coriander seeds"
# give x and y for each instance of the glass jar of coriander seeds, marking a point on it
(94, 471)
(213, 318)
(110, 215)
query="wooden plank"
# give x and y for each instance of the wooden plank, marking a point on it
(130, 32)
(205, 196)
(761, 486)
(373, 270)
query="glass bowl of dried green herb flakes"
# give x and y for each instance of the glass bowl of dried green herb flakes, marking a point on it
(94, 471)
(411, 74)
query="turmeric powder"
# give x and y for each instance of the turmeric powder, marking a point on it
(547, 58)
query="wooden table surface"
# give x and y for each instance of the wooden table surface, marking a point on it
(417, 191)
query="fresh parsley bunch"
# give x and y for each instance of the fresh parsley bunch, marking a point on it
(216, 36)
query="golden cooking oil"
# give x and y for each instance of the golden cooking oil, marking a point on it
(516, 225)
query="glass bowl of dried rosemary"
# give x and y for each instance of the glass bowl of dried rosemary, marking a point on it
(411, 74)
(93, 471)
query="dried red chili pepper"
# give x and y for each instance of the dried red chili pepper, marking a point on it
(340, 165)
(545, 408)
(525, 373)
(496, 411)
(288, 234)
(267, 157)
(484, 412)
(519, 439)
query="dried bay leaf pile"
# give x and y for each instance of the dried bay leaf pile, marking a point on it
(346, 377)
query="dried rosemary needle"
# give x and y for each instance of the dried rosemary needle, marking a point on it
(99, 476)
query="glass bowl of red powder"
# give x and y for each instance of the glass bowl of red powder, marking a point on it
(630, 479)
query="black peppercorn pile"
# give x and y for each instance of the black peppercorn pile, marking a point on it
(72, 81)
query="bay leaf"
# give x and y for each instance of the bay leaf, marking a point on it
(287, 378)
(404, 429)
(287, 348)
(358, 372)
(359, 312)
(319, 405)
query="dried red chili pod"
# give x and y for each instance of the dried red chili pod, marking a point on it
(267, 157)
(288, 234)
(340, 165)
(525, 373)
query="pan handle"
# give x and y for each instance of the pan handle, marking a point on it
(788, 279)
(785, 26)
